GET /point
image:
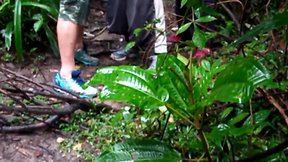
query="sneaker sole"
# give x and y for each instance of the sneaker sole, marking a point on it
(117, 59)
(68, 94)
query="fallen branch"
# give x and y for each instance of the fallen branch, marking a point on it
(275, 103)
(267, 153)
(30, 127)
(20, 98)
(42, 110)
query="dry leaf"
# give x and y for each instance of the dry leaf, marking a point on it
(77, 147)
(60, 140)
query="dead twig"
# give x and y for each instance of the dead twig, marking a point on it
(30, 127)
(26, 104)
(275, 103)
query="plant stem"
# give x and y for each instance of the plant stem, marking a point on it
(203, 138)
(165, 127)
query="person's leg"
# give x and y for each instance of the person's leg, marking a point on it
(116, 17)
(81, 54)
(69, 33)
(160, 45)
(117, 24)
(76, 12)
(138, 13)
(160, 34)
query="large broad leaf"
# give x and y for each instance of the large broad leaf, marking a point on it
(130, 84)
(239, 80)
(172, 77)
(140, 151)
(277, 21)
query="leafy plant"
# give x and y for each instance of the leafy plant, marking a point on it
(186, 90)
(41, 12)
(196, 20)
(277, 21)
(140, 151)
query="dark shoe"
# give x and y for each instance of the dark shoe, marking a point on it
(121, 54)
(83, 57)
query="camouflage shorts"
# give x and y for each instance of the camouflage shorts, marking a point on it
(74, 10)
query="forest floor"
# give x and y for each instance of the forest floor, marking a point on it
(42, 145)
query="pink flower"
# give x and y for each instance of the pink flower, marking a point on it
(201, 53)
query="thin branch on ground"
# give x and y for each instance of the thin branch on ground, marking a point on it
(275, 103)
(25, 98)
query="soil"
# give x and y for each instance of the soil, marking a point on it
(42, 145)
(39, 146)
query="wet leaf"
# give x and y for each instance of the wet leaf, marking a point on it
(183, 28)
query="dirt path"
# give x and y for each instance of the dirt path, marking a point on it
(40, 146)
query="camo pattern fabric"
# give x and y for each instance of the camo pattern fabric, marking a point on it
(74, 10)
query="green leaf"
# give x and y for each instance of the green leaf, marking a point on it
(182, 58)
(130, 84)
(117, 118)
(226, 112)
(39, 23)
(4, 5)
(217, 67)
(218, 133)
(260, 117)
(206, 65)
(7, 34)
(199, 38)
(171, 77)
(239, 80)
(17, 29)
(138, 31)
(51, 10)
(140, 151)
(205, 19)
(238, 118)
(261, 126)
(130, 45)
(240, 132)
(52, 40)
(183, 28)
(183, 3)
(277, 21)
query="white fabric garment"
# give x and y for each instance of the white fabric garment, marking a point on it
(161, 40)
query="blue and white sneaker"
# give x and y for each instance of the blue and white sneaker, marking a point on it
(76, 76)
(73, 85)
